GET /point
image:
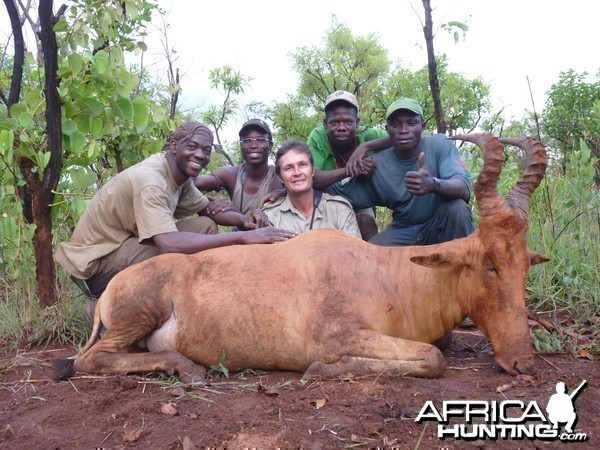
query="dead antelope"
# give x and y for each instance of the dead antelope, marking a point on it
(328, 304)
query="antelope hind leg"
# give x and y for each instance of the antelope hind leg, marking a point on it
(368, 352)
(106, 356)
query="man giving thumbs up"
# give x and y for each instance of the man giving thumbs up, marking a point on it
(422, 179)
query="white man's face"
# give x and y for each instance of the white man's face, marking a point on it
(296, 172)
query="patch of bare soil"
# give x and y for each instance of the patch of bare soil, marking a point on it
(275, 409)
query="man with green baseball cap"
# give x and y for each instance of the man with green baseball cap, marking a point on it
(404, 103)
(422, 179)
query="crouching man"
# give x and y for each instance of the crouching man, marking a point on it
(133, 217)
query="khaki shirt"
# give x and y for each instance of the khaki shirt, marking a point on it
(141, 201)
(332, 212)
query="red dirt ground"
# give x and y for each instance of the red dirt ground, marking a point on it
(276, 409)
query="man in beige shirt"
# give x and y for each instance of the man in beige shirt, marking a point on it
(304, 208)
(133, 217)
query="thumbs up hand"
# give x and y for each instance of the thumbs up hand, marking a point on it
(421, 181)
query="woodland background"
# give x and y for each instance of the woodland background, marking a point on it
(83, 106)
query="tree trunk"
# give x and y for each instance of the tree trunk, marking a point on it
(42, 190)
(432, 65)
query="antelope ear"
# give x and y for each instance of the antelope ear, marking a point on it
(536, 258)
(437, 260)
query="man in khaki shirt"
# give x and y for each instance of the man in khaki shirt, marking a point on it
(304, 208)
(133, 217)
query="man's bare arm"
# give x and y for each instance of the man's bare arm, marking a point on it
(187, 242)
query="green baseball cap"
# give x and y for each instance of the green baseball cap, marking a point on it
(404, 103)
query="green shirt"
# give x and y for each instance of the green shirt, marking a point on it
(318, 143)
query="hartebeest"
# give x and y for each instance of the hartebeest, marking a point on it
(327, 303)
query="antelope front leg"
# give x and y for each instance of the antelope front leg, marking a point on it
(368, 352)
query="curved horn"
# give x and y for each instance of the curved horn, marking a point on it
(488, 197)
(520, 194)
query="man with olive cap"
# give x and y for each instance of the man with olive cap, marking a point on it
(133, 217)
(422, 179)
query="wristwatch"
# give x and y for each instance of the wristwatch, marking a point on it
(437, 185)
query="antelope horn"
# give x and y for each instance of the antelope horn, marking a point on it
(520, 194)
(486, 193)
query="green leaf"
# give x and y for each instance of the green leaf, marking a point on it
(7, 138)
(126, 83)
(155, 146)
(92, 106)
(33, 98)
(83, 123)
(26, 119)
(43, 159)
(142, 46)
(63, 90)
(9, 225)
(69, 127)
(82, 178)
(101, 61)
(75, 63)
(463, 26)
(97, 127)
(77, 142)
(68, 110)
(92, 147)
(17, 109)
(585, 151)
(158, 114)
(77, 205)
(140, 114)
(61, 25)
(116, 57)
(132, 9)
(124, 108)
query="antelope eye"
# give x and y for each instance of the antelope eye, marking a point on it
(489, 266)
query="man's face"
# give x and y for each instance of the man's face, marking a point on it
(296, 172)
(341, 123)
(405, 129)
(191, 156)
(255, 146)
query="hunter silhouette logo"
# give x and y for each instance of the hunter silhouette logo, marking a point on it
(560, 406)
(508, 419)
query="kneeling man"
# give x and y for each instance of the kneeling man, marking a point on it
(304, 208)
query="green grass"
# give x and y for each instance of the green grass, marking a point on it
(23, 324)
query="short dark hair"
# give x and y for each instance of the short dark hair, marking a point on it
(297, 146)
